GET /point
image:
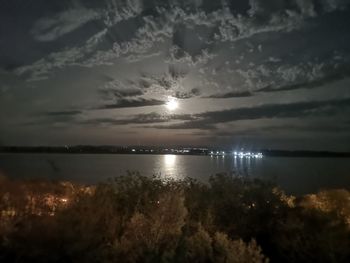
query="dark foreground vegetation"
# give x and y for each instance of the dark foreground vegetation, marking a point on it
(138, 219)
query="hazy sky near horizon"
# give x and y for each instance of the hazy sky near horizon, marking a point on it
(252, 74)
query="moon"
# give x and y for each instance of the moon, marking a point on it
(172, 104)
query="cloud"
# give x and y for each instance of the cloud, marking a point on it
(232, 94)
(170, 25)
(148, 118)
(170, 79)
(177, 55)
(329, 78)
(250, 78)
(186, 125)
(122, 93)
(117, 93)
(283, 76)
(132, 103)
(51, 28)
(116, 89)
(63, 113)
(140, 57)
(87, 54)
(187, 95)
(110, 13)
(306, 128)
(208, 120)
(165, 84)
(138, 119)
(331, 5)
(308, 8)
(44, 67)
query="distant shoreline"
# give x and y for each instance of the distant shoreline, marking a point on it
(160, 151)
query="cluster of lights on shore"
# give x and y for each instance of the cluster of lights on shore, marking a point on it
(237, 154)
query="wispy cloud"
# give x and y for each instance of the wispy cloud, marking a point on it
(169, 23)
(51, 28)
(329, 78)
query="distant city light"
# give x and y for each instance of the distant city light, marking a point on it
(247, 154)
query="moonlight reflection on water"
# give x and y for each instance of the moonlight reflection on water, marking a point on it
(170, 165)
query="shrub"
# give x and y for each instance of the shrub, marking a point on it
(139, 219)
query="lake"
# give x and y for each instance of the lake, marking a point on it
(293, 175)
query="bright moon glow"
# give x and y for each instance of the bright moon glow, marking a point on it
(172, 104)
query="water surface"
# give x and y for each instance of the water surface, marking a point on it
(294, 175)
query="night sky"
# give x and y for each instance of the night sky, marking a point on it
(252, 74)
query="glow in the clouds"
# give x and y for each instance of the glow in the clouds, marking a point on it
(172, 104)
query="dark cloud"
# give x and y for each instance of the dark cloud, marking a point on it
(201, 125)
(132, 103)
(208, 120)
(168, 80)
(307, 127)
(187, 95)
(144, 83)
(177, 72)
(233, 94)
(140, 119)
(116, 89)
(64, 113)
(121, 93)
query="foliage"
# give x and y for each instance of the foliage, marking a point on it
(139, 219)
(336, 201)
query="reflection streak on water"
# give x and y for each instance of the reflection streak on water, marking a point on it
(170, 161)
(170, 165)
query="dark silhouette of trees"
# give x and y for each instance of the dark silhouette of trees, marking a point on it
(139, 219)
